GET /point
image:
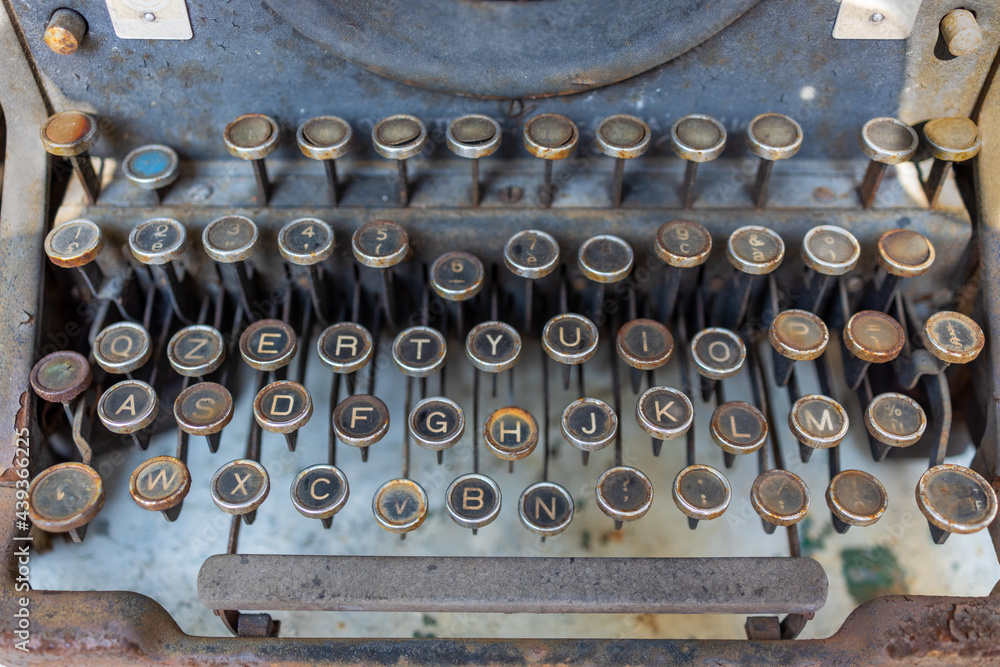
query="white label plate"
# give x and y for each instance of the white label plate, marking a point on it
(150, 19)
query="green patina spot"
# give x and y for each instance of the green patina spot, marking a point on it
(585, 540)
(429, 620)
(811, 543)
(871, 573)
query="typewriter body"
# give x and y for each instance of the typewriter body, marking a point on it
(630, 312)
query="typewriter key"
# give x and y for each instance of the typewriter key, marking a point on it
(381, 244)
(230, 239)
(885, 141)
(755, 250)
(623, 138)
(818, 422)
(550, 136)
(400, 505)
(71, 134)
(128, 408)
(950, 140)
(240, 487)
(306, 241)
(122, 348)
(160, 484)
(545, 508)
(473, 501)
(75, 245)
(871, 337)
(664, 413)
(253, 137)
(325, 138)
(157, 243)
(283, 407)
(436, 423)
(204, 408)
(570, 338)
(828, 251)
(152, 168)
(624, 494)
(701, 492)
(717, 353)
(493, 347)
(320, 491)
(955, 500)
(771, 137)
(59, 377)
(682, 244)
(644, 344)
(738, 428)
(953, 338)
(360, 421)
(511, 433)
(855, 498)
(345, 347)
(64, 498)
(268, 345)
(419, 351)
(531, 254)
(474, 136)
(397, 138)
(795, 335)
(904, 253)
(589, 424)
(196, 351)
(457, 276)
(606, 259)
(895, 420)
(780, 497)
(696, 138)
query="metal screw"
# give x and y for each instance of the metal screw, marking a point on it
(149, 17)
(877, 17)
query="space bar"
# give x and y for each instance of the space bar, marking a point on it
(509, 585)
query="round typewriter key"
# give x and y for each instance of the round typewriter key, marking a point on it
(589, 424)
(830, 250)
(380, 244)
(771, 136)
(324, 138)
(59, 377)
(240, 487)
(738, 427)
(251, 136)
(683, 243)
(204, 408)
(306, 241)
(955, 499)
(268, 345)
(953, 139)
(755, 250)
(473, 501)
(320, 491)
(457, 276)
(473, 136)
(70, 133)
(196, 351)
(798, 335)
(531, 254)
(624, 494)
(605, 259)
(151, 167)
(122, 348)
(856, 498)
(718, 353)
(399, 137)
(780, 497)
(436, 423)
(545, 508)
(570, 338)
(644, 344)
(493, 347)
(622, 137)
(345, 347)
(282, 407)
(160, 484)
(361, 420)
(953, 338)
(664, 413)
(128, 406)
(419, 351)
(158, 241)
(895, 420)
(400, 505)
(873, 337)
(550, 136)
(511, 433)
(885, 141)
(65, 497)
(229, 239)
(74, 243)
(701, 492)
(696, 138)
(905, 253)
(818, 421)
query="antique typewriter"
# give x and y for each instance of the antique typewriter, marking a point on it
(510, 332)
